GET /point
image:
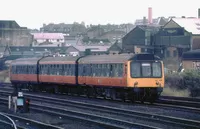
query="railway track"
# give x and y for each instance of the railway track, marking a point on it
(25, 123)
(154, 118)
(96, 119)
(181, 103)
(6, 122)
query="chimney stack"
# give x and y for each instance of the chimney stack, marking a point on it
(199, 13)
(144, 21)
(150, 15)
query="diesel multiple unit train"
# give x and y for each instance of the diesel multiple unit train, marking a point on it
(125, 76)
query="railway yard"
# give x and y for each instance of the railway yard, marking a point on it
(97, 69)
(73, 111)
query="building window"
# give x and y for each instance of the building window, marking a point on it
(58, 40)
(175, 53)
(168, 53)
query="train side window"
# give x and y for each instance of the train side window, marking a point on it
(39, 69)
(93, 70)
(26, 69)
(32, 69)
(29, 69)
(61, 69)
(22, 70)
(72, 67)
(44, 69)
(17, 69)
(105, 70)
(13, 69)
(50, 69)
(79, 70)
(99, 70)
(69, 69)
(96, 70)
(120, 70)
(111, 70)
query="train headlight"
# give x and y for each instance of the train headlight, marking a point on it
(158, 84)
(135, 84)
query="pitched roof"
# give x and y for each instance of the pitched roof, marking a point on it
(149, 28)
(155, 21)
(92, 48)
(190, 24)
(48, 35)
(2, 49)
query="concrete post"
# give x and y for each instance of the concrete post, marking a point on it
(15, 103)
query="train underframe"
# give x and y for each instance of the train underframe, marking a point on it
(147, 94)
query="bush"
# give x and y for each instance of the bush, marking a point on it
(188, 80)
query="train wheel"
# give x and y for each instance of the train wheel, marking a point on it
(88, 92)
(95, 92)
(122, 96)
(142, 98)
(131, 96)
(153, 98)
(113, 94)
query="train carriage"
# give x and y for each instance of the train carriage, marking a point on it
(23, 71)
(132, 76)
(57, 70)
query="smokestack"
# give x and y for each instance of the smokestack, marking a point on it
(199, 13)
(150, 15)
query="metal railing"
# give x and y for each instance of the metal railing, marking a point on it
(6, 121)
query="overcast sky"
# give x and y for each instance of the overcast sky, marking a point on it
(33, 13)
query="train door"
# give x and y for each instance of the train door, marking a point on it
(84, 74)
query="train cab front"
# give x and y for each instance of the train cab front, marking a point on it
(146, 77)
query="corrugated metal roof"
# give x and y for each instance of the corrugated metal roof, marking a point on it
(190, 24)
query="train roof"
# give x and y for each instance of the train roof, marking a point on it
(25, 61)
(117, 58)
(191, 55)
(65, 59)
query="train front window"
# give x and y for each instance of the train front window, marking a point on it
(156, 66)
(146, 69)
(135, 69)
